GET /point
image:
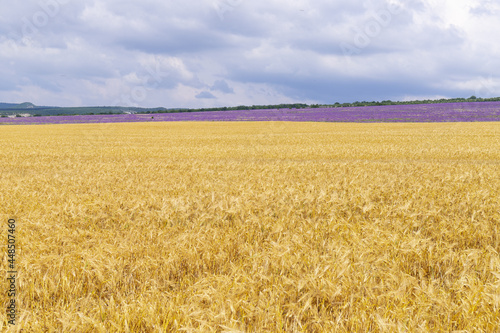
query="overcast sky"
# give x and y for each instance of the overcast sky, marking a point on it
(246, 52)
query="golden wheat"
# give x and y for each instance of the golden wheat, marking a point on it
(254, 227)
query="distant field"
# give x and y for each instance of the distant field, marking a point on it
(441, 112)
(254, 226)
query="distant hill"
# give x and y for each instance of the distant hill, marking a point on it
(25, 105)
(9, 109)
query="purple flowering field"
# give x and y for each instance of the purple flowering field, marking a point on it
(444, 112)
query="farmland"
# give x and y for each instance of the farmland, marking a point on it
(441, 112)
(254, 226)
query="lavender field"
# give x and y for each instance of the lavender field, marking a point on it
(445, 112)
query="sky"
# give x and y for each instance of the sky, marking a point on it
(209, 53)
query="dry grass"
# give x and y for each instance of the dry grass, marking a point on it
(255, 227)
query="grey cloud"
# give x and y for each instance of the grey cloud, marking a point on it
(222, 86)
(205, 95)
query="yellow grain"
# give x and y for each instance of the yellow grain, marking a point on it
(254, 227)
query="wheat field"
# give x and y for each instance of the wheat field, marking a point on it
(253, 227)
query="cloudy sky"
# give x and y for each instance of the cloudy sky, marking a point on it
(239, 52)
